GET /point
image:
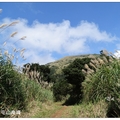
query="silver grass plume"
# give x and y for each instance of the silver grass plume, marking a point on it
(86, 67)
(100, 61)
(13, 23)
(88, 80)
(84, 72)
(13, 34)
(92, 65)
(6, 52)
(23, 38)
(96, 62)
(105, 59)
(3, 25)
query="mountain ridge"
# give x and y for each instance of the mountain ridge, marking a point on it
(58, 65)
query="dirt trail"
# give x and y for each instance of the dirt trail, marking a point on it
(60, 112)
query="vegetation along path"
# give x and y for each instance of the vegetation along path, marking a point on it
(55, 110)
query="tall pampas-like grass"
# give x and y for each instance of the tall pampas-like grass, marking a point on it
(22, 38)
(3, 25)
(14, 23)
(104, 83)
(13, 34)
(91, 64)
(12, 94)
(95, 64)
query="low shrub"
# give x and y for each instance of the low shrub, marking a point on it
(61, 89)
(11, 90)
(105, 85)
(16, 90)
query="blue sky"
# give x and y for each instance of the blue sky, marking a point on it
(58, 29)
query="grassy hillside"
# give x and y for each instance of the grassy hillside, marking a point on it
(63, 62)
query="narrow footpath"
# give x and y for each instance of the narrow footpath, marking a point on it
(60, 112)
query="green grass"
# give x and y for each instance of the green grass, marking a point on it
(47, 110)
(105, 85)
(84, 110)
(34, 91)
(17, 91)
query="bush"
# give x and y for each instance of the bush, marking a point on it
(105, 84)
(33, 91)
(11, 91)
(44, 70)
(74, 76)
(61, 89)
(16, 91)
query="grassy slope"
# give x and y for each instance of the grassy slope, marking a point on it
(59, 64)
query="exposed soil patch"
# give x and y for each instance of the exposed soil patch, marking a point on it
(60, 112)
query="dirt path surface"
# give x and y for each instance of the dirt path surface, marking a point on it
(60, 112)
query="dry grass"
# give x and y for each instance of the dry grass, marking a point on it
(37, 109)
(47, 110)
(90, 110)
(33, 107)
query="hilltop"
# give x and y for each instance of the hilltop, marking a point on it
(63, 62)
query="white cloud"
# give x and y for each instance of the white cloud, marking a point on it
(117, 53)
(44, 39)
(35, 57)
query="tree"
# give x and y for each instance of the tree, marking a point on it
(74, 76)
(43, 69)
(61, 89)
